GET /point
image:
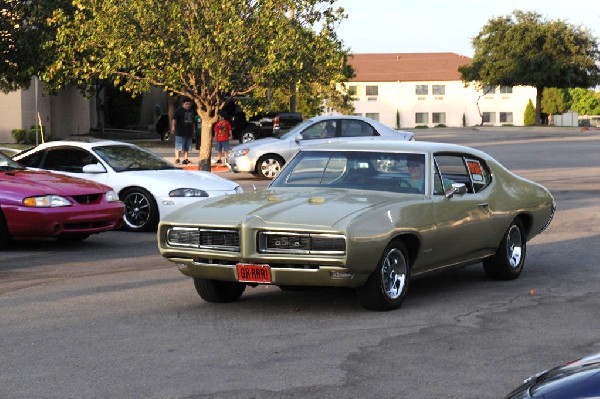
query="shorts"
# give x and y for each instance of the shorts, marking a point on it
(183, 143)
(223, 146)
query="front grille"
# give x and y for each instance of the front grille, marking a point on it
(88, 199)
(217, 239)
(301, 243)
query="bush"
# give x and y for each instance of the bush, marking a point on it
(18, 135)
(529, 117)
(421, 127)
(441, 125)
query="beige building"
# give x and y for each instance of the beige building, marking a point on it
(406, 90)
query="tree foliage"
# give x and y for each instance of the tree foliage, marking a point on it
(523, 49)
(208, 50)
(555, 100)
(584, 101)
(23, 31)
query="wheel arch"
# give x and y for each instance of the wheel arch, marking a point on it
(526, 220)
(411, 243)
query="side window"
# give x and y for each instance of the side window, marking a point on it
(67, 159)
(451, 168)
(34, 160)
(320, 130)
(356, 128)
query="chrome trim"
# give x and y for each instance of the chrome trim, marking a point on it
(263, 235)
(194, 238)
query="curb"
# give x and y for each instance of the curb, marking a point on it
(214, 168)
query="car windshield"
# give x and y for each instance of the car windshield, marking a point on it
(124, 158)
(8, 164)
(363, 170)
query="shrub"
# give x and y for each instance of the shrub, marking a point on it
(421, 127)
(18, 135)
(441, 125)
(529, 117)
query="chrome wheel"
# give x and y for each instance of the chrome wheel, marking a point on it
(393, 274)
(141, 213)
(514, 246)
(247, 136)
(269, 167)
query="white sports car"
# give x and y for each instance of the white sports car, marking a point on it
(149, 186)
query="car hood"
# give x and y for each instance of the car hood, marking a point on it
(289, 207)
(30, 182)
(162, 181)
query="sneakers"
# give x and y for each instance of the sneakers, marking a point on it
(177, 160)
(186, 161)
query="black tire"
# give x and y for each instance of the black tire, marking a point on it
(141, 211)
(387, 286)
(218, 291)
(508, 262)
(269, 166)
(4, 235)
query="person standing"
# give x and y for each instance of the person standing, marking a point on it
(222, 135)
(183, 125)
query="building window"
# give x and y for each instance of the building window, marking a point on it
(438, 90)
(506, 117)
(352, 90)
(505, 89)
(422, 118)
(438, 117)
(421, 90)
(373, 115)
(489, 90)
(372, 90)
(489, 117)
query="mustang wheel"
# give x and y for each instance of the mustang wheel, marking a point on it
(218, 291)
(509, 259)
(269, 166)
(387, 285)
(141, 211)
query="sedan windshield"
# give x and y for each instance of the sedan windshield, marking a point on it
(377, 171)
(124, 158)
(8, 164)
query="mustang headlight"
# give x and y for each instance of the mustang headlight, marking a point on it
(241, 152)
(46, 201)
(188, 192)
(111, 196)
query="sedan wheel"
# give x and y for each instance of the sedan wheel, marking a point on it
(387, 286)
(269, 166)
(218, 291)
(141, 212)
(509, 259)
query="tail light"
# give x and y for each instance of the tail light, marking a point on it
(276, 122)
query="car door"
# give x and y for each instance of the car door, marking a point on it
(352, 129)
(463, 221)
(70, 161)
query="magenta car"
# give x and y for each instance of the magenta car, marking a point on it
(35, 204)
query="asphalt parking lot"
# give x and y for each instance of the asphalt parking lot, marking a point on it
(109, 318)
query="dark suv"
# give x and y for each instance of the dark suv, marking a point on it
(263, 125)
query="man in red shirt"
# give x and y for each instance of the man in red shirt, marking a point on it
(222, 135)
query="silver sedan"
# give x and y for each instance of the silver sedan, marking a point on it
(266, 157)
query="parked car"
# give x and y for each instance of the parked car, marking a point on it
(263, 125)
(371, 215)
(149, 186)
(573, 380)
(36, 204)
(266, 157)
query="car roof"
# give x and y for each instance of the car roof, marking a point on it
(88, 142)
(386, 145)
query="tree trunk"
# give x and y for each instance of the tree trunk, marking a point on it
(538, 106)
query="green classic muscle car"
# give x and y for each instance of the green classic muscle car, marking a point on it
(371, 215)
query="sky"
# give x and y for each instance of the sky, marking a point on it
(425, 26)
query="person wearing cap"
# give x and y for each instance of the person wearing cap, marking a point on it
(183, 126)
(416, 171)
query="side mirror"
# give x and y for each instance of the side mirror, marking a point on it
(457, 188)
(93, 168)
(298, 138)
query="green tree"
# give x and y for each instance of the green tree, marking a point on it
(529, 117)
(555, 101)
(585, 102)
(523, 49)
(23, 31)
(209, 50)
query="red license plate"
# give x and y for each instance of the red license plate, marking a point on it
(253, 273)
